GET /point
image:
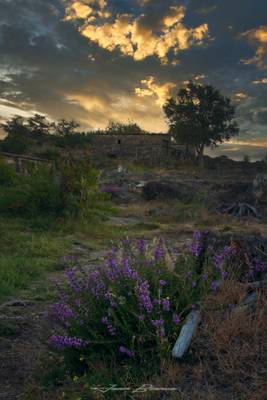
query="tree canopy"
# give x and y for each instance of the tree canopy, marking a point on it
(200, 116)
(118, 128)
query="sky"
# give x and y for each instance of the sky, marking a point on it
(119, 60)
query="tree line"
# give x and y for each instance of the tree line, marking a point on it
(198, 116)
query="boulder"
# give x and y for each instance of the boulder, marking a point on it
(260, 189)
(167, 190)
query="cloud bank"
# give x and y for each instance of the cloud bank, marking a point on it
(103, 60)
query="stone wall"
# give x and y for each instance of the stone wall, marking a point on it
(155, 149)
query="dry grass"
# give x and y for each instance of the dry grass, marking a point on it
(228, 359)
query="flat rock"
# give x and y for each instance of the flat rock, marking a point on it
(120, 221)
(165, 189)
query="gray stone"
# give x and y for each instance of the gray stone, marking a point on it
(167, 190)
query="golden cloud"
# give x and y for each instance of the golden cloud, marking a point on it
(241, 95)
(119, 107)
(78, 10)
(83, 9)
(159, 91)
(260, 81)
(257, 143)
(110, 36)
(133, 37)
(259, 37)
(176, 14)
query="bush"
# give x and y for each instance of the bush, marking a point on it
(129, 311)
(71, 189)
(31, 195)
(7, 174)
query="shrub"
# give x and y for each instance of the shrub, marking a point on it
(7, 174)
(37, 193)
(71, 189)
(129, 310)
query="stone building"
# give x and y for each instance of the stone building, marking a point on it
(155, 149)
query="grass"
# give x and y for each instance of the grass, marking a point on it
(30, 249)
(26, 254)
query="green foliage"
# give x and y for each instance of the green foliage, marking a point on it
(8, 175)
(65, 128)
(118, 128)
(69, 190)
(26, 135)
(26, 254)
(128, 311)
(200, 116)
(31, 195)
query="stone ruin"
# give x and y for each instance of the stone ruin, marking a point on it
(153, 149)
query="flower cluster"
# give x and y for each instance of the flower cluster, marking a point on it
(132, 304)
(126, 351)
(65, 341)
(197, 244)
(221, 258)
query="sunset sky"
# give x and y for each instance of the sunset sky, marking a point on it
(117, 60)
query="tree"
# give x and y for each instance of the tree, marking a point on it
(200, 116)
(118, 128)
(18, 136)
(39, 126)
(66, 128)
(246, 159)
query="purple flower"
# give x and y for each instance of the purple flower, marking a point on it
(77, 302)
(176, 319)
(259, 265)
(97, 286)
(159, 252)
(194, 284)
(74, 282)
(62, 312)
(196, 246)
(104, 320)
(162, 282)
(112, 262)
(205, 277)
(111, 329)
(157, 322)
(65, 341)
(161, 331)
(166, 304)
(126, 242)
(175, 251)
(143, 293)
(214, 285)
(225, 255)
(224, 274)
(126, 351)
(141, 318)
(128, 271)
(141, 246)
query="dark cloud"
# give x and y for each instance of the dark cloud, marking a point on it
(48, 66)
